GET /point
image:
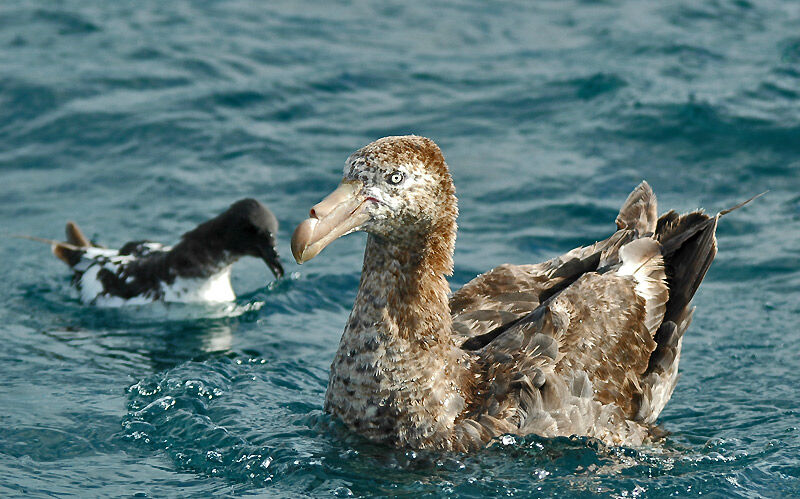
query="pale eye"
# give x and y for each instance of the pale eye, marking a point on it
(395, 178)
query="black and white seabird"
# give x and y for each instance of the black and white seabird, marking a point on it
(197, 269)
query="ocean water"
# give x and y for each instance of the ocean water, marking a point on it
(141, 119)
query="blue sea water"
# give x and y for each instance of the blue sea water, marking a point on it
(141, 119)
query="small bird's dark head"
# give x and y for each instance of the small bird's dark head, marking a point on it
(248, 228)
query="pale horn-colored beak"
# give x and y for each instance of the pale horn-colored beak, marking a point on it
(340, 213)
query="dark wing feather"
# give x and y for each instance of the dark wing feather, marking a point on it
(688, 245)
(510, 387)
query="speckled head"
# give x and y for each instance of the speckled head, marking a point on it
(398, 188)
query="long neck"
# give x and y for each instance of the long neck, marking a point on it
(406, 286)
(396, 375)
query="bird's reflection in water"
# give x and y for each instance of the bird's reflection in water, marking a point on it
(217, 338)
(191, 340)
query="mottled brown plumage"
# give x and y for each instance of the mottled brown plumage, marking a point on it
(587, 343)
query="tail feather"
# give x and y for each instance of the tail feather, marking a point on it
(75, 236)
(72, 251)
(69, 252)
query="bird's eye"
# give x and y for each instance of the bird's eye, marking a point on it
(395, 178)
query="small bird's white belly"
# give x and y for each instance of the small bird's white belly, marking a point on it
(215, 289)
